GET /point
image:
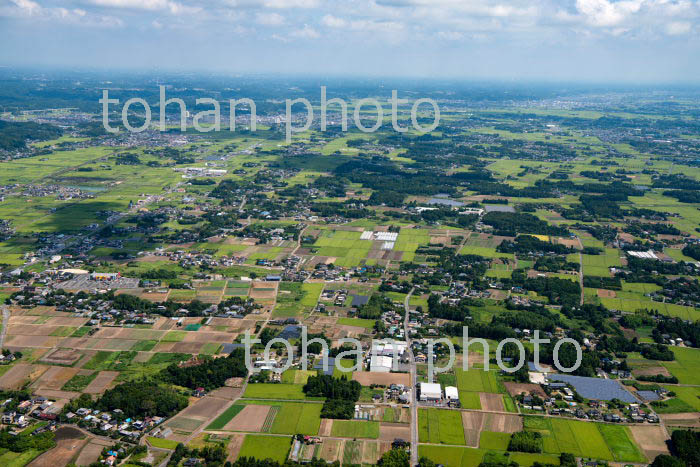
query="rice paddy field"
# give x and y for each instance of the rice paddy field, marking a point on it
(436, 426)
(275, 391)
(585, 439)
(685, 366)
(468, 457)
(355, 429)
(261, 447)
(290, 418)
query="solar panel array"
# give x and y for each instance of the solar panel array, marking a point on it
(596, 388)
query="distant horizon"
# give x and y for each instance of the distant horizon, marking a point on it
(463, 80)
(579, 40)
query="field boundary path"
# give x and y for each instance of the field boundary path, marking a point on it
(414, 403)
(5, 319)
(580, 276)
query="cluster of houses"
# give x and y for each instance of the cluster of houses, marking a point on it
(39, 408)
(113, 422)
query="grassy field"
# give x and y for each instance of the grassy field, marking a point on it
(363, 323)
(440, 426)
(355, 429)
(275, 391)
(686, 365)
(294, 417)
(262, 447)
(494, 441)
(79, 382)
(595, 440)
(225, 417)
(467, 457)
(17, 459)
(475, 380)
(162, 443)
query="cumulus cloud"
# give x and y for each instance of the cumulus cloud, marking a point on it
(291, 3)
(607, 13)
(270, 19)
(153, 5)
(307, 32)
(678, 28)
(73, 16)
(333, 22)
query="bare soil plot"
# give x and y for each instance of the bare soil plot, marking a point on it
(227, 393)
(391, 431)
(66, 321)
(17, 319)
(207, 336)
(570, 242)
(101, 382)
(155, 296)
(68, 444)
(383, 447)
(60, 396)
(501, 423)
(62, 356)
(515, 389)
(263, 290)
(77, 342)
(163, 324)
(142, 357)
(90, 453)
(19, 374)
(206, 408)
(332, 450)
(651, 438)
(472, 423)
(603, 293)
(326, 426)
(185, 424)
(367, 378)
(108, 333)
(651, 371)
(682, 419)
(164, 347)
(370, 452)
(114, 344)
(251, 418)
(493, 402)
(29, 341)
(55, 377)
(234, 447)
(187, 347)
(30, 329)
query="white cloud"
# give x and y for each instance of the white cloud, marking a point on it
(307, 32)
(450, 35)
(291, 3)
(333, 22)
(74, 16)
(27, 7)
(153, 5)
(604, 13)
(678, 28)
(270, 19)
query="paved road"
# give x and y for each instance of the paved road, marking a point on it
(414, 402)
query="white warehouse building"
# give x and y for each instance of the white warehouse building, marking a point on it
(451, 393)
(430, 392)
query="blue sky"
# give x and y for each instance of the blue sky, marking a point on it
(589, 40)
